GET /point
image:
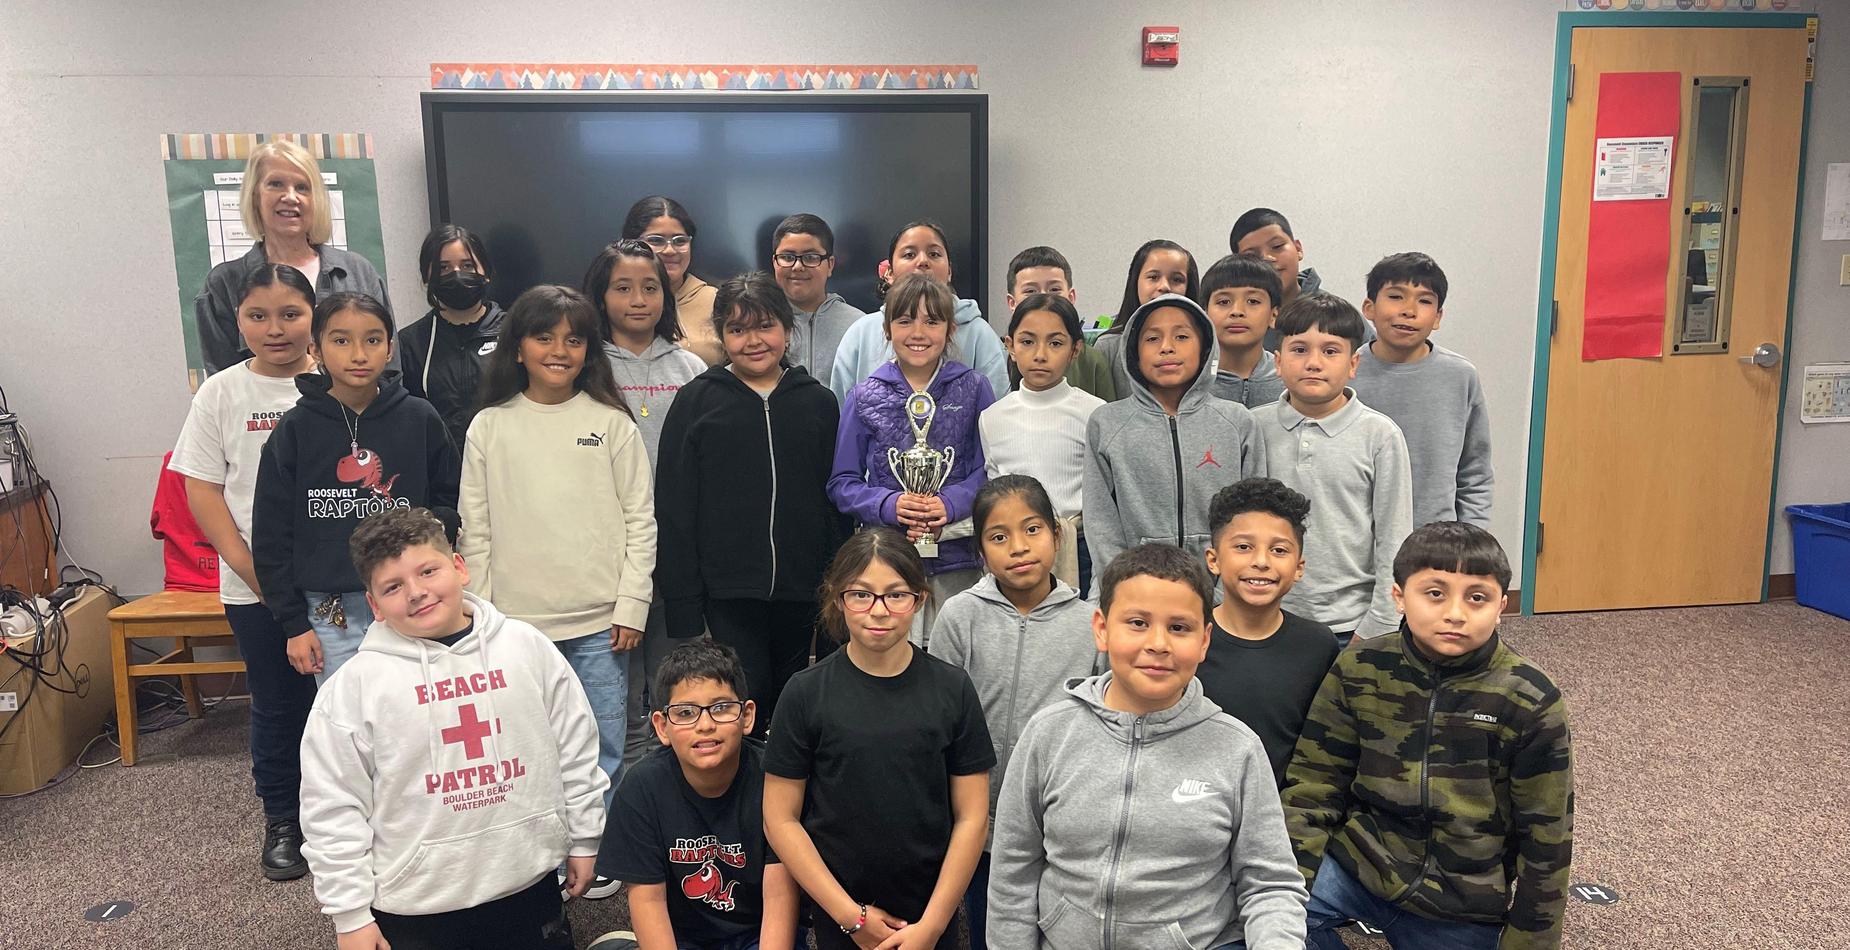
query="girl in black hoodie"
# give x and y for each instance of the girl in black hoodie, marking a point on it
(745, 527)
(354, 445)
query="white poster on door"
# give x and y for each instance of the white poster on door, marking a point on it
(1632, 169)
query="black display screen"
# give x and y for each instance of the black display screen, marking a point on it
(546, 178)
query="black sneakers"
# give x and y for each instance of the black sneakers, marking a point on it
(282, 850)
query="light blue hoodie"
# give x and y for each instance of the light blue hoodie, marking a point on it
(974, 343)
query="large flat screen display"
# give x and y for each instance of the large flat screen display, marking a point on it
(546, 178)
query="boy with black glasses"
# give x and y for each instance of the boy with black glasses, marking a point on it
(803, 260)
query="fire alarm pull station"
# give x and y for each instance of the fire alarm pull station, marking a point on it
(1161, 45)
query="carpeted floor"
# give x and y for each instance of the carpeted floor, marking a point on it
(1712, 750)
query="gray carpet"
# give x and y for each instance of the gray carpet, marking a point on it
(1711, 749)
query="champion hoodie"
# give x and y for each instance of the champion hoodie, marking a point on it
(437, 778)
(1149, 475)
(1123, 831)
(865, 348)
(650, 380)
(1019, 662)
(323, 469)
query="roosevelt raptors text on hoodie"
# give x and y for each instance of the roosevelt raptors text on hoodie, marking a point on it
(323, 469)
(437, 778)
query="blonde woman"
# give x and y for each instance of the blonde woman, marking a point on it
(286, 209)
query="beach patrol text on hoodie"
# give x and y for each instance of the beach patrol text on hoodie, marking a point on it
(437, 778)
(323, 469)
(1135, 832)
(1150, 475)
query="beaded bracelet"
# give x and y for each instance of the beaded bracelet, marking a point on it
(858, 923)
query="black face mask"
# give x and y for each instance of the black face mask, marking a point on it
(459, 290)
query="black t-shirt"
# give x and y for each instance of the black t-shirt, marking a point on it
(709, 851)
(1269, 684)
(878, 754)
(456, 637)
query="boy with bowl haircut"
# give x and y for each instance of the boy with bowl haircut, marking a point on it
(1194, 853)
(687, 830)
(1432, 793)
(1043, 270)
(803, 260)
(1241, 295)
(1348, 459)
(1264, 663)
(1429, 391)
(451, 766)
(1156, 458)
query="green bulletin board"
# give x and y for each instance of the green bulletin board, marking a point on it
(202, 195)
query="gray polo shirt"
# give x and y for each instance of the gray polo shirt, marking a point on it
(1353, 466)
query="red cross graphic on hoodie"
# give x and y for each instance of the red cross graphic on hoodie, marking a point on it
(469, 730)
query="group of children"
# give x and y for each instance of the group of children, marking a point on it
(1028, 643)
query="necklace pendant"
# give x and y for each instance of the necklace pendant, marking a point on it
(644, 410)
(354, 447)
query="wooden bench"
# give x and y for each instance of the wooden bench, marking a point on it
(189, 619)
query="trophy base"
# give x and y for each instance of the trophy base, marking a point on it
(926, 547)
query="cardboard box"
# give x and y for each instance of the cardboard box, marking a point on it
(53, 727)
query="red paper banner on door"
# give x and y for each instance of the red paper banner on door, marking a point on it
(1628, 227)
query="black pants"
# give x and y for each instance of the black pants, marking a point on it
(280, 700)
(772, 640)
(531, 919)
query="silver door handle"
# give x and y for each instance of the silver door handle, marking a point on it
(1766, 354)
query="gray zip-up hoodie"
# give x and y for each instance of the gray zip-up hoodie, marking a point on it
(1019, 663)
(649, 381)
(818, 333)
(1149, 476)
(1139, 832)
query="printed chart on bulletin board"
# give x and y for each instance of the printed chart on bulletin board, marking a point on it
(204, 175)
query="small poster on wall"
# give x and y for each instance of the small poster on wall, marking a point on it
(1631, 169)
(205, 177)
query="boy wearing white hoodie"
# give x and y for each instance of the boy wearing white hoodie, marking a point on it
(450, 767)
(1135, 813)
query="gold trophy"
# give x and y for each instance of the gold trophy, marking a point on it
(921, 470)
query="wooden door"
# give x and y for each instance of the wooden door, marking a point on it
(1657, 474)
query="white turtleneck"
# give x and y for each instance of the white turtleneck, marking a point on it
(1042, 434)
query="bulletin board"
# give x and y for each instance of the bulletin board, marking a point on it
(204, 174)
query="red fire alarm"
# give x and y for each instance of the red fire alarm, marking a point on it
(1161, 45)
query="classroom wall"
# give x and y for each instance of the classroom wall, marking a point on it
(1377, 127)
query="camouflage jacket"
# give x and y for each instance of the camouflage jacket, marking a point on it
(1446, 788)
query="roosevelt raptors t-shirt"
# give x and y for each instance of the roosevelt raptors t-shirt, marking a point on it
(710, 852)
(231, 418)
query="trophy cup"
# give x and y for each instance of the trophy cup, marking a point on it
(921, 469)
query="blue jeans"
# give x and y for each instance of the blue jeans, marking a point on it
(605, 677)
(280, 700)
(976, 903)
(338, 644)
(1336, 898)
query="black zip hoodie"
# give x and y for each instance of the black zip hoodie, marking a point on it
(449, 374)
(741, 499)
(316, 480)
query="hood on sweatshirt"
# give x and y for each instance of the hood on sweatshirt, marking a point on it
(1138, 841)
(1200, 389)
(504, 786)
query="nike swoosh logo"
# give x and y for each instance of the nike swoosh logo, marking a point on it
(1182, 798)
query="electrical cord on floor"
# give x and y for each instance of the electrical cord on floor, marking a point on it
(169, 701)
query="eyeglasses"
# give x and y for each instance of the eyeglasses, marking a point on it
(686, 714)
(660, 242)
(862, 601)
(809, 259)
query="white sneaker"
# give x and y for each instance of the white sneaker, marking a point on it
(615, 940)
(602, 887)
